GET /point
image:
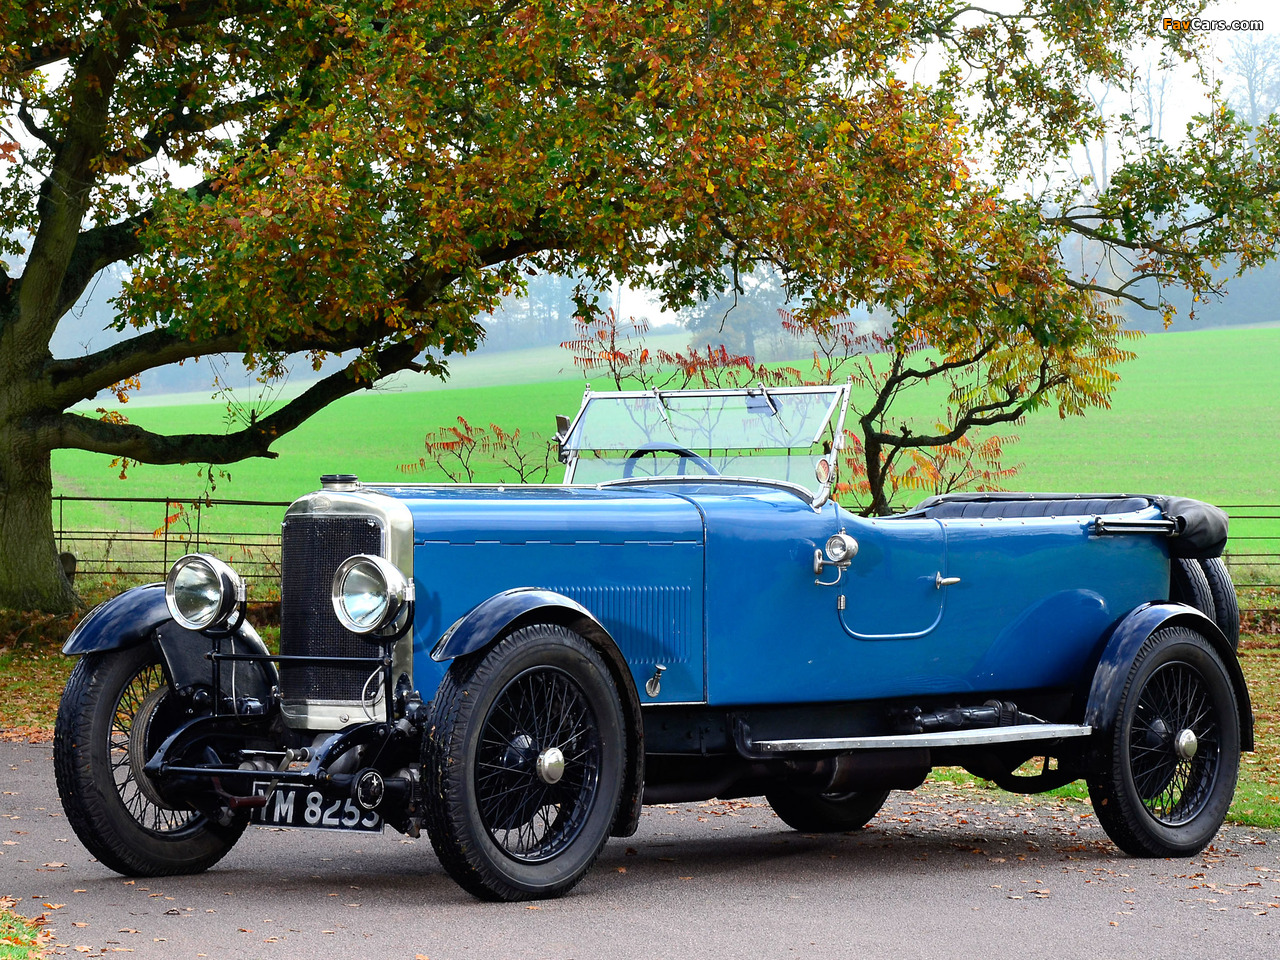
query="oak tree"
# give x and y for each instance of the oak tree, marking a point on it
(302, 178)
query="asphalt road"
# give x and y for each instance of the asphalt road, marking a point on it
(940, 873)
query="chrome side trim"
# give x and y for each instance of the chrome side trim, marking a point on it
(1103, 526)
(955, 738)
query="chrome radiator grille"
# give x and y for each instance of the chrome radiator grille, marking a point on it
(311, 550)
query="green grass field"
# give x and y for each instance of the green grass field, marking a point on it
(1196, 414)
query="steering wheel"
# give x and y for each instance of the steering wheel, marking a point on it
(655, 448)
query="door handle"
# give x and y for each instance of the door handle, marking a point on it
(939, 581)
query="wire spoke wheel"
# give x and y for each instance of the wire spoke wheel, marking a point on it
(130, 743)
(115, 712)
(524, 764)
(1174, 782)
(1171, 750)
(533, 810)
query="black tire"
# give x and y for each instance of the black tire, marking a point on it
(1226, 607)
(826, 812)
(115, 711)
(1151, 798)
(500, 826)
(1187, 584)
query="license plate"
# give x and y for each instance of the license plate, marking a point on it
(293, 806)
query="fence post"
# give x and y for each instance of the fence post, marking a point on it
(164, 525)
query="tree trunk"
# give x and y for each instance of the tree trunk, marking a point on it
(31, 576)
(878, 505)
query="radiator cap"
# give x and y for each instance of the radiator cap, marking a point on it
(339, 481)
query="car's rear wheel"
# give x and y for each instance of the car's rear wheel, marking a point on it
(524, 764)
(826, 812)
(116, 710)
(1169, 769)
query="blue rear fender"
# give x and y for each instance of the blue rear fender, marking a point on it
(140, 615)
(492, 619)
(1128, 637)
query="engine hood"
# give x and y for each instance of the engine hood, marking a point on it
(520, 514)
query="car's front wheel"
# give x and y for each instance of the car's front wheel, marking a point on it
(826, 812)
(1169, 767)
(115, 711)
(523, 764)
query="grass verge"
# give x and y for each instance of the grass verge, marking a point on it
(20, 938)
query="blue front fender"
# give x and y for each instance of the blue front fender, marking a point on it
(491, 618)
(1128, 636)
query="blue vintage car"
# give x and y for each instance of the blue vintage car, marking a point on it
(518, 669)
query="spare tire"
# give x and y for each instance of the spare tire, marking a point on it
(1226, 608)
(1188, 584)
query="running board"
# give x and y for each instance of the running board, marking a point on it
(984, 736)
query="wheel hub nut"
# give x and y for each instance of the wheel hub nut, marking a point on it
(1185, 744)
(551, 765)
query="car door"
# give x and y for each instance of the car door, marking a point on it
(895, 587)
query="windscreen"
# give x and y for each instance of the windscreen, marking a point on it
(741, 420)
(768, 434)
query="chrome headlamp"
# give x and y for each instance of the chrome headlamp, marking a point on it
(369, 593)
(201, 591)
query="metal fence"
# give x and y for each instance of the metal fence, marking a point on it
(1253, 554)
(142, 536)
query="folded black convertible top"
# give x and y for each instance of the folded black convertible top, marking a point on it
(1199, 530)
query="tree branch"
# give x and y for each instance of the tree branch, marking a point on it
(158, 137)
(182, 16)
(96, 249)
(1112, 291)
(33, 128)
(901, 376)
(1156, 245)
(64, 195)
(46, 54)
(178, 16)
(1075, 226)
(99, 247)
(82, 378)
(71, 381)
(255, 440)
(1013, 407)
